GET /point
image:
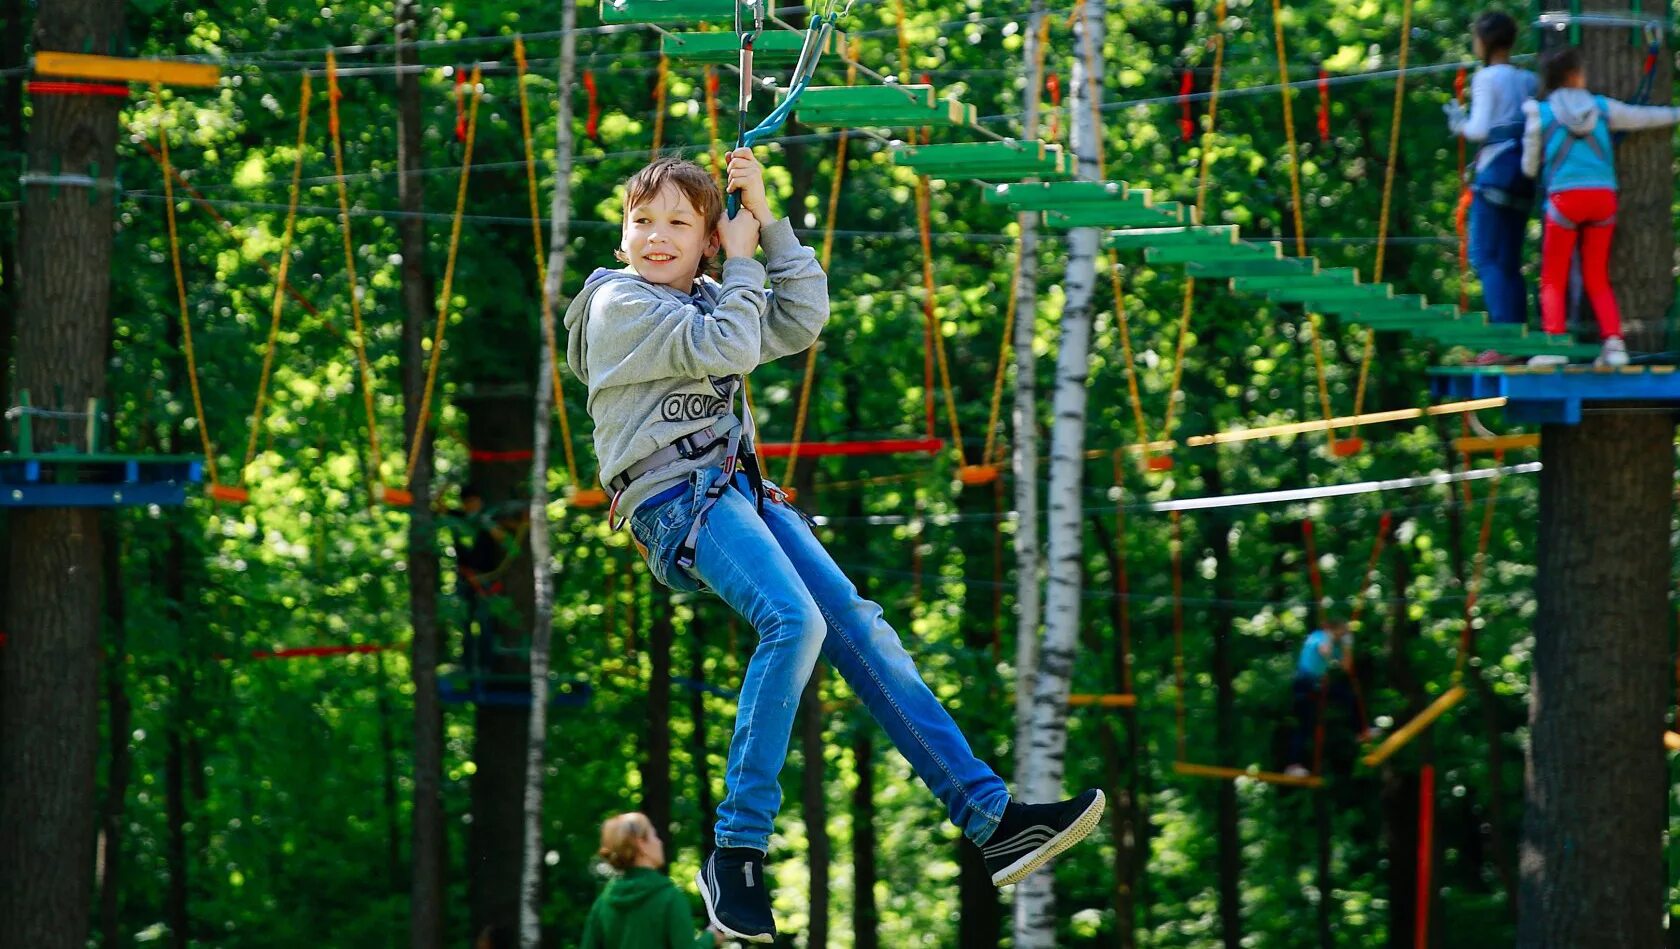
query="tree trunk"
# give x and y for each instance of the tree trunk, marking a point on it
(979, 909)
(176, 910)
(500, 424)
(1596, 777)
(1217, 539)
(866, 919)
(1120, 754)
(113, 809)
(814, 807)
(426, 906)
(542, 619)
(1035, 898)
(656, 750)
(1591, 856)
(49, 669)
(1399, 795)
(11, 139)
(700, 750)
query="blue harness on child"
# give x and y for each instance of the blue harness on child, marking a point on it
(1573, 161)
(1501, 181)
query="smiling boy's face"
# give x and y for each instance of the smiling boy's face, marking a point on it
(667, 240)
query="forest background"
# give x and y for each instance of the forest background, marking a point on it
(246, 801)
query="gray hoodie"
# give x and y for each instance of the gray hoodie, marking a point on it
(656, 360)
(1577, 109)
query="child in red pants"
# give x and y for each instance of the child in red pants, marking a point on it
(1567, 146)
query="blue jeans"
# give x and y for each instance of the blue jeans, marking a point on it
(774, 572)
(1496, 251)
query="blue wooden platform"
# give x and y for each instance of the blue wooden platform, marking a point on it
(80, 480)
(1556, 394)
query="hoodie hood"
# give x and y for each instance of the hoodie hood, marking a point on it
(1576, 109)
(577, 313)
(637, 886)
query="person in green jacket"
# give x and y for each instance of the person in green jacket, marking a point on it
(640, 908)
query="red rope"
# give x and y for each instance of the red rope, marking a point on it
(1425, 853)
(1461, 217)
(592, 127)
(1323, 104)
(1186, 117)
(1054, 84)
(479, 454)
(460, 106)
(314, 652)
(886, 446)
(40, 87)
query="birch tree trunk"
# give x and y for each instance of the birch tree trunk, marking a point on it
(1047, 739)
(542, 620)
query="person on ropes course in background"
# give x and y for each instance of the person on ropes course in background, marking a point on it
(1332, 644)
(1502, 195)
(662, 347)
(1567, 146)
(640, 908)
(480, 544)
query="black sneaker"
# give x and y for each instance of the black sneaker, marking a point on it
(1031, 835)
(737, 895)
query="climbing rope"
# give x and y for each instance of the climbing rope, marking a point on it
(712, 122)
(417, 438)
(1208, 134)
(1461, 213)
(278, 302)
(1387, 196)
(358, 332)
(1295, 201)
(542, 261)
(181, 288)
(827, 254)
(659, 91)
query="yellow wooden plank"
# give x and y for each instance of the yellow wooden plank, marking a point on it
(1495, 443)
(1110, 700)
(125, 69)
(1412, 728)
(1255, 774)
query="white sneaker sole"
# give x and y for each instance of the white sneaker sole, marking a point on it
(1054, 847)
(718, 924)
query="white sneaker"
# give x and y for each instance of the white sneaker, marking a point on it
(1614, 353)
(1546, 359)
(1297, 771)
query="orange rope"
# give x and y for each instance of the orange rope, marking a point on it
(1295, 201)
(358, 333)
(279, 300)
(712, 122)
(542, 263)
(1003, 357)
(827, 255)
(1201, 208)
(1126, 352)
(659, 104)
(181, 288)
(1462, 213)
(1387, 198)
(424, 417)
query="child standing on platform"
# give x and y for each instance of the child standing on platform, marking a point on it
(662, 348)
(1568, 147)
(1502, 194)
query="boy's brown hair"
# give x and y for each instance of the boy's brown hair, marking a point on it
(693, 182)
(1560, 65)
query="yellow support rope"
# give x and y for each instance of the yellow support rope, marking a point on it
(661, 82)
(278, 302)
(1295, 200)
(181, 288)
(712, 122)
(420, 421)
(358, 333)
(1208, 134)
(542, 264)
(1003, 357)
(827, 255)
(1387, 196)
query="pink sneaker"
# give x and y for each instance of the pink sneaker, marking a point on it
(1488, 357)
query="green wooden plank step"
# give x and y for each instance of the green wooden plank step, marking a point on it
(1009, 159)
(773, 47)
(1121, 214)
(667, 11)
(825, 98)
(1253, 267)
(1335, 276)
(1062, 195)
(1236, 250)
(1136, 238)
(1312, 296)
